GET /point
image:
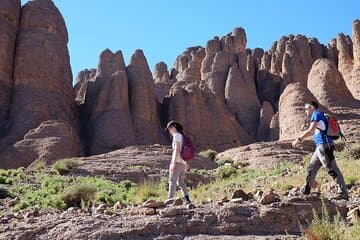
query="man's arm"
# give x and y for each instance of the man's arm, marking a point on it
(305, 134)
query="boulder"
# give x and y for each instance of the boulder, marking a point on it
(328, 86)
(292, 118)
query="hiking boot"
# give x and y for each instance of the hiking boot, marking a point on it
(187, 200)
(305, 190)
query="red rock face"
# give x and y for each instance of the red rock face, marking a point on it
(104, 100)
(328, 85)
(9, 26)
(266, 114)
(242, 100)
(206, 119)
(143, 103)
(224, 94)
(349, 58)
(292, 118)
(42, 88)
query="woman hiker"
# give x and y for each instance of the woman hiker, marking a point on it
(177, 164)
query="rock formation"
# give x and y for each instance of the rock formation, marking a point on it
(328, 86)
(349, 58)
(242, 100)
(292, 117)
(163, 81)
(224, 94)
(42, 88)
(9, 26)
(206, 119)
(266, 114)
(220, 56)
(188, 65)
(106, 113)
(143, 103)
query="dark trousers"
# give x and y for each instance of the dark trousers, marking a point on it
(324, 156)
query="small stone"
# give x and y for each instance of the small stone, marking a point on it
(108, 212)
(149, 211)
(190, 206)
(353, 215)
(153, 204)
(269, 197)
(178, 201)
(240, 194)
(250, 195)
(135, 211)
(101, 208)
(119, 205)
(237, 200)
(207, 200)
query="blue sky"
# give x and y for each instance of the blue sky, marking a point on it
(164, 29)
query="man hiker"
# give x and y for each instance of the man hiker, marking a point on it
(324, 152)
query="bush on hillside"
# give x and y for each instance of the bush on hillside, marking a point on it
(226, 171)
(65, 165)
(80, 195)
(354, 152)
(210, 153)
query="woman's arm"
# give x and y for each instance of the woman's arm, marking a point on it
(177, 152)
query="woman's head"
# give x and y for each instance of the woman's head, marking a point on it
(174, 127)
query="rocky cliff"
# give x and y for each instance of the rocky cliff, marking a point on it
(224, 94)
(41, 119)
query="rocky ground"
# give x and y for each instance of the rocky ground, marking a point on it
(251, 219)
(259, 214)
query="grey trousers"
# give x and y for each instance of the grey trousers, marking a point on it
(324, 156)
(177, 178)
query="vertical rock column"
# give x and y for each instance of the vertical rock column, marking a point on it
(42, 91)
(143, 102)
(108, 123)
(9, 26)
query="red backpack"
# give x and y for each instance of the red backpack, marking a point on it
(188, 150)
(333, 131)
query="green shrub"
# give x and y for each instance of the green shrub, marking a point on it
(354, 152)
(240, 164)
(79, 195)
(354, 231)
(210, 153)
(223, 161)
(322, 227)
(226, 171)
(65, 165)
(11, 175)
(53, 190)
(4, 193)
(351, 180)
(339, 146)
(151, 190)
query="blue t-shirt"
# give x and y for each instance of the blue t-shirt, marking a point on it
(320, 135)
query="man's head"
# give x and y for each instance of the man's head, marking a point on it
(311, 107)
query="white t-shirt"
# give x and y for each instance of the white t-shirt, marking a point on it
(176, 156)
